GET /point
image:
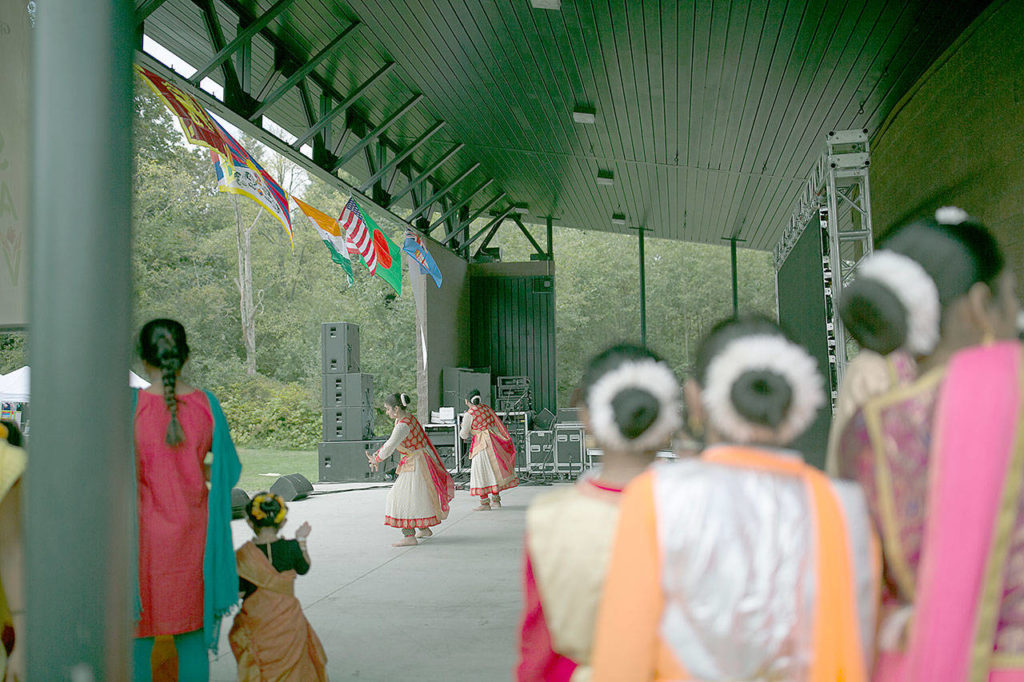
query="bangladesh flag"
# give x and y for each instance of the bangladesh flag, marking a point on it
(389, 255)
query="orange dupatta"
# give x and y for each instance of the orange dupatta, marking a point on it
(628, 644)
(271, 638)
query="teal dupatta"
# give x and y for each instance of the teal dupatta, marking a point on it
(220, 573)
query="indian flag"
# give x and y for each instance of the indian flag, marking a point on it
(330, 232)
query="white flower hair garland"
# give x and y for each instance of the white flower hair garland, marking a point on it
(950, 215)
(646, 375)
(914, 289)
(773, 353)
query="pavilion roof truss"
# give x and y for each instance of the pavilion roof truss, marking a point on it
(345, 143)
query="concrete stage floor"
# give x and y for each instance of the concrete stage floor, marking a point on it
(447, 609)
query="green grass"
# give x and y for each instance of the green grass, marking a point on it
(265, 461)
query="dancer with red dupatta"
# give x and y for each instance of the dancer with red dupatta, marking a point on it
(492, 453)
(940, 455)
(424, 489)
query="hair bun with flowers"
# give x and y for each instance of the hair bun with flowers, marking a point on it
(762, 388)
(267, 509)
(635, 407)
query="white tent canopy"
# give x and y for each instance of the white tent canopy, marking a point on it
(14, 387)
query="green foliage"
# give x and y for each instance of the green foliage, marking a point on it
(13, 351)
(689, 288)
(266, 412)
(185, 266)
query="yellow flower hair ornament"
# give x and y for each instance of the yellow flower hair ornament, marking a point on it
(259, 514)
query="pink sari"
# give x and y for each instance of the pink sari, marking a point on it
(970, 567)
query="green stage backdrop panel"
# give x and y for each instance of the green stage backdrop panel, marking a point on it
(802, 316)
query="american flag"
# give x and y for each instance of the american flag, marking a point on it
(357, 236)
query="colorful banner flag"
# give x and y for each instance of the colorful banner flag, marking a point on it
(373, 246)
(330, 232)
(198, 126)
(417, 251)
(359, 239)
(245, 176)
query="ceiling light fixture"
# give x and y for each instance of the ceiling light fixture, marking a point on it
(605, 178)
(584, 115)
(546, 4)
(618, 218)
(521, 209)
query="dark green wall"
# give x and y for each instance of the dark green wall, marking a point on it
(802, 316)
(513, 324)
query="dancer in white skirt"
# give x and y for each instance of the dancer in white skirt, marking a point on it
(492, 453)
(421, 494)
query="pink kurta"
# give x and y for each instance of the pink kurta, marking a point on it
(172, 497)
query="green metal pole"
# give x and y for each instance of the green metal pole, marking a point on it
(79, 483)
(735, 291)
(643, 290)
(551, 239)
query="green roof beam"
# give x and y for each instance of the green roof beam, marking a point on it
(302, 72)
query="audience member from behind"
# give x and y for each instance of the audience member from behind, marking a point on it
(271, 638)
(939, 457)
(12, 578)
(630, 405)
(746, 563)
(186, 562)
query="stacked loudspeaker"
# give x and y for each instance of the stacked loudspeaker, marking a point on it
(347, 397)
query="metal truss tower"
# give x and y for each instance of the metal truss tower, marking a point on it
(838, 191)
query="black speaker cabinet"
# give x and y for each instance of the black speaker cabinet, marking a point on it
(347, 423)
(292, 487)
(239, 498)
(346, 462)
(347, 390)
(339, 344)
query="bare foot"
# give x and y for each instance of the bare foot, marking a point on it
(483, 507)
(496, 502)
(424, 533)
(408, 541)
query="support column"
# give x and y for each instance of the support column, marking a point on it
(735, 290)
(643, 288)
(551, 239)
(78, 502)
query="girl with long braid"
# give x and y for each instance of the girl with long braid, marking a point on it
(746, 563)
(629, 403)
(186, 564)
(421, 495)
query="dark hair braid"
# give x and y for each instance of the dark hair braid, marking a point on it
(162, 345)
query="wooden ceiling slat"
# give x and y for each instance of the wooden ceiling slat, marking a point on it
(732, 25)
(611, 121)
(757, 37)
(897, 14)
(798, 105)
(532, 64)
